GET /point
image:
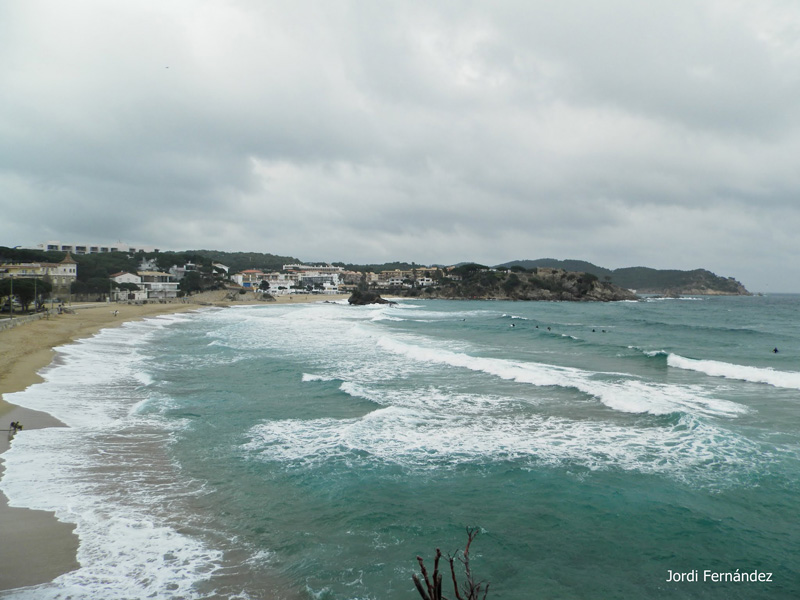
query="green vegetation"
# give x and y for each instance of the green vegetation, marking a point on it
(191, 282)
(26, 291)
(478, 281)
(20, 255)
(377, 268)
(93, 267)
(527, 279)
(240, 261)
(644, 279)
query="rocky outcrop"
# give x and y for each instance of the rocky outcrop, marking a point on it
(536, 284)
(667, 282)
(704, 283)
(362, 298)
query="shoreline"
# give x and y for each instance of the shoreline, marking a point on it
(44, 547)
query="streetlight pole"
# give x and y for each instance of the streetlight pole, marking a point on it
(11, 297)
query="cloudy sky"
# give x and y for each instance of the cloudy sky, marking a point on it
(663, 133)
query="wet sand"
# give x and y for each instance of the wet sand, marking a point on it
(36, 547)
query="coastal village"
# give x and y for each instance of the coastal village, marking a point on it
(148, 282)
(125, 273)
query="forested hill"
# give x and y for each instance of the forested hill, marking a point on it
(478, 282)
(240, 261)
(646, 280)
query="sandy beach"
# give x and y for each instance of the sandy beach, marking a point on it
(41, 547)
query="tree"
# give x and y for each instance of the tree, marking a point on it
(101, 265)
(512, 283)
(432, 588)
(26, 290)
(192, 282)
(94, 285)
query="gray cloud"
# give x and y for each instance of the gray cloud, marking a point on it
(662, 134)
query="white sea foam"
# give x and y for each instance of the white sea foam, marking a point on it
(623, 394)
(108, 473)
(386, 317)
(714, 368)
(416, 438)
(360, 391)
(649, 353)
(312, 377)
(126, 550)
(665, 299)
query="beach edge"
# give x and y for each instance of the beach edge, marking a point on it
(43, 547)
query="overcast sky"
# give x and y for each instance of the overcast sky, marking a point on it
(626, 133)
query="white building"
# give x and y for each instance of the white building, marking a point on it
(180, 272)
(325, 269)
(281, 284)
(123, 277)
(249, 279)
(158, 284)
(92, 248)
(61, 275)
(324, 278)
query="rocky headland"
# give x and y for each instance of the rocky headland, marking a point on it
(646, 280)
(472, 282)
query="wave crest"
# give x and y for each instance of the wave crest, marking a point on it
(714, 368)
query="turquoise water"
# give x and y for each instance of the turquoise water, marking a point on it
(313, 451)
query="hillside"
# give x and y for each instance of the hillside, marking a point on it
(473, 281)
(646, 280)
(240, 261)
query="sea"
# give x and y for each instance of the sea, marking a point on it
(644, 449)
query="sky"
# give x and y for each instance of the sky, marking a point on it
(663, 133)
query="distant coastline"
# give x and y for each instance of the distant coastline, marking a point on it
(170, 275)
(646, 280)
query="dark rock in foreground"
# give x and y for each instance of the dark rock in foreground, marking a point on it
(362, 298)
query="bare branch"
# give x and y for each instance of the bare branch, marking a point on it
(470, 588)
(455, 581)
(420, 589)
(424, 572)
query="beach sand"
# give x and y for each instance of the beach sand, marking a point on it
(36, 547)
